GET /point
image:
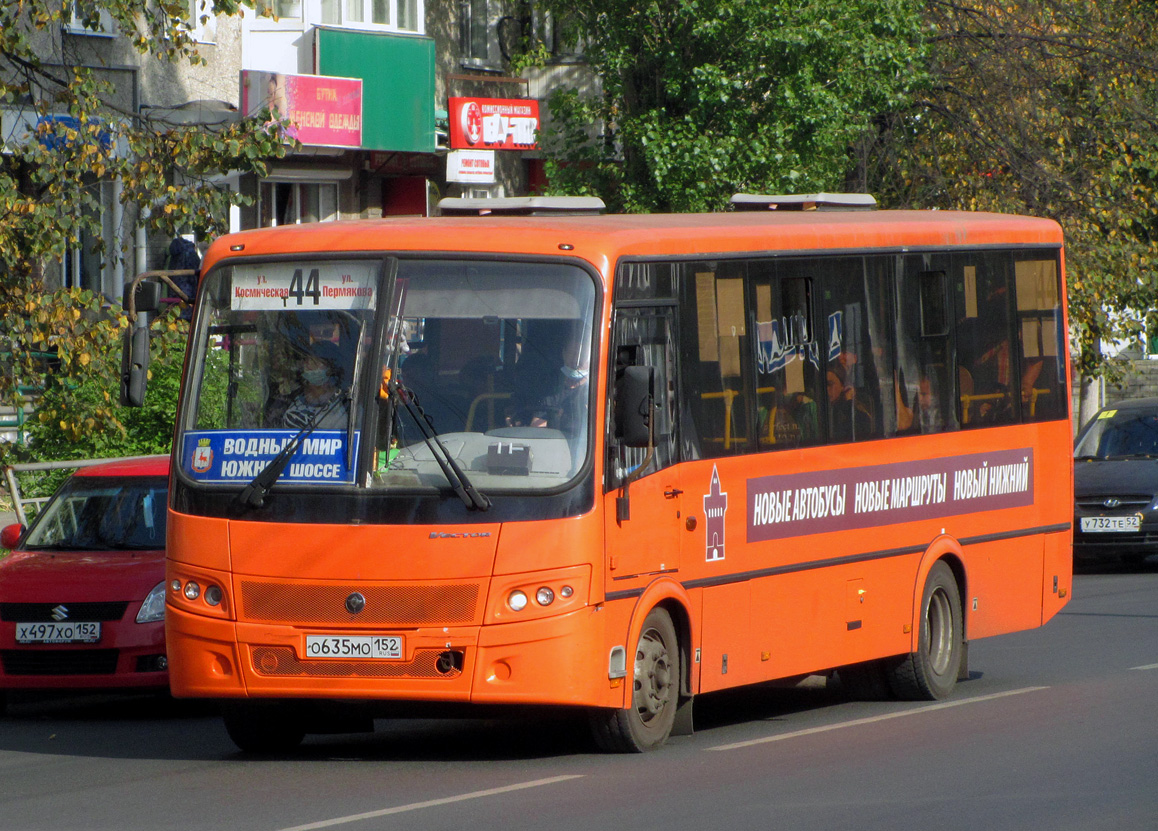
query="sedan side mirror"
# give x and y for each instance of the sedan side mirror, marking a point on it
(10, 536)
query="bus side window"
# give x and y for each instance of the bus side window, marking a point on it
(858, 360)
(1041, 340)
(787, 356)
(716, 359)
(925, 378)
(984, 350)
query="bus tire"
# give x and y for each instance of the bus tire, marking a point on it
(263, 729)
(931, 672)
(647, 722)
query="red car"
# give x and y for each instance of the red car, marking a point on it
(82, 594)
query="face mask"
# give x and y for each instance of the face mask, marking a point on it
(574, 374)
(316, 377)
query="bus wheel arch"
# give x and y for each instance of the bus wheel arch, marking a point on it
(657, 697)
(931, 670)
(653, 676)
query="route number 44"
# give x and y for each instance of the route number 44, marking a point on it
(310, 287)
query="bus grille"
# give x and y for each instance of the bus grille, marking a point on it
(385, 605)
(281, 661)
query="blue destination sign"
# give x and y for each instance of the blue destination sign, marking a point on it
(236, 456)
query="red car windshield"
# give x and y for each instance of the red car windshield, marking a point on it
(103, 513)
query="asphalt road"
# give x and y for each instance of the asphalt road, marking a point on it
(1056, 730)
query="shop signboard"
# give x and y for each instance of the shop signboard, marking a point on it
(494, 123)
(323, 111)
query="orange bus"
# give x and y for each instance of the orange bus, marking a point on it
(613, 462)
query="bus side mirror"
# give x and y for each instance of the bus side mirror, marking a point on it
(634, 393)
(134, 365)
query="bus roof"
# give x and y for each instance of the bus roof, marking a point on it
(603, 239)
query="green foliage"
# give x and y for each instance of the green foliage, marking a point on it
(704, 98)
(74, 367)
(1048, 108)
(74, 364)
(84, 135)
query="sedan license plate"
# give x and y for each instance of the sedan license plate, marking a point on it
(366, 647)
(67, 632)
(1111, 524)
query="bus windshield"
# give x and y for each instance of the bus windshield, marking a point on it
(485, 362)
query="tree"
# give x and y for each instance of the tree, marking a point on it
(704, 98)
(1045, 107)
(82, 130)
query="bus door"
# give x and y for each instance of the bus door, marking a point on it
(644, 494)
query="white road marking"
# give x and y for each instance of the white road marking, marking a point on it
(874, 719)
(1148, 666)
(431, 803)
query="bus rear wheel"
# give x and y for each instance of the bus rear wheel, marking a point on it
(646, 724)
(263, 728)
(931, 672)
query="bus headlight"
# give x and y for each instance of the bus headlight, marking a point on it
(540, 594)
(192, 590)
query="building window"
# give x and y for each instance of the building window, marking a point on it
(479, 33)
(395, 15)
(291, 203)
(202, 26)
(280, 9)
(88, 20)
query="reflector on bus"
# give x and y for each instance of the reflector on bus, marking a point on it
(803, 202)
(522, 206)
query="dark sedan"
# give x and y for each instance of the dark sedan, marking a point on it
(1116, 484)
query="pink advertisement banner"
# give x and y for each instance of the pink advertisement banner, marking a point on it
(324, 111)
(865, 497)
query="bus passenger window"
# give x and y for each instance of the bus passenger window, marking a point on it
(1041, 340)
(715, 360)
(986, 360)
(787, 357)
(925, 383)
(858, 367)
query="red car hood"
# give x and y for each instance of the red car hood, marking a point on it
(79, 576)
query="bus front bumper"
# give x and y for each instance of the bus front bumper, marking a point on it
(559, 660)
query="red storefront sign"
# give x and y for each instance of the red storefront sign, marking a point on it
(494, 123)
(324, 111)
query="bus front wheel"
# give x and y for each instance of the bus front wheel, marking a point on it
(931, 672)
(647, 722)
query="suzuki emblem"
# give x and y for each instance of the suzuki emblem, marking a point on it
(60, 613)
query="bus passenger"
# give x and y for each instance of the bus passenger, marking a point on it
(848, 420)
(321, 372)
(565, 409)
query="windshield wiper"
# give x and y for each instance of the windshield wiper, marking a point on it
(253, 495)
(473, 499)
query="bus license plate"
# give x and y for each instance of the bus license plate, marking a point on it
(1113, 524)
(368, 647)
(67, 632)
